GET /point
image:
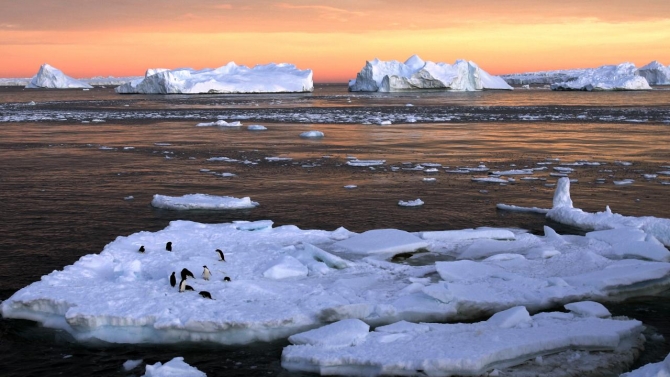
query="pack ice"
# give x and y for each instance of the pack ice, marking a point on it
(624, 76)
(391, 76)
(230, 78)
(53, 78)
(285, 280)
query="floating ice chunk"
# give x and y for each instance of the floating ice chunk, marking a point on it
(130, 197)
(344, 333)
(53, 78)
(513, 208)
(286, 267)
(382, 241)
(466, 270)
(411, 203)
(588, 309)
(349, 187)
(624, 182)
(274, 159)
(513, 172)
(623, 163)
(608, 77)
(224, 159)
(469, 234)
(356, 162)
(562, 194)
(256, 127)
(230, 78)
(465, 349)
(312, 135)
(201, 201)
(489, 180)
(511, 317)
(173, 368)
(661, 369)
(220, 123)
(131, 364)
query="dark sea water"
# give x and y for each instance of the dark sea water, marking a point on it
(63, 182)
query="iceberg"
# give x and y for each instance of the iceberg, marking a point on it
(507, 339)
(655, 73)
(52, 78)
(173, 368)
(624, 76)
(230, 78)
(392, 76)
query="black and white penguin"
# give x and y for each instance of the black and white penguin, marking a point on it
(186, 273)
(221, 255)
(189, 288)
(205, 273)
(168, 246)
(205, 294)
(226, 278)
(141, 250)
(173, 279)
(182, 285)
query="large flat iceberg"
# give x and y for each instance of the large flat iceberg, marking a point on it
(507, 339)
(230, 78)
(52, 78)
(624, 76)
(391, 76)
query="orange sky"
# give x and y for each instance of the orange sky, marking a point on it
(87, 38)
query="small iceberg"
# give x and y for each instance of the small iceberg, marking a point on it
(312, 135)
(411, 203)
(52, 78)
(201, 201)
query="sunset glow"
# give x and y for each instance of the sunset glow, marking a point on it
(92, 38)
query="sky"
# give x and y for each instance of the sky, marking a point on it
(86, 38)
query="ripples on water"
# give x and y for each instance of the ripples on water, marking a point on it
(62, 196)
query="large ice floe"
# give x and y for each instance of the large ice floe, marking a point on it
(391, 76)
(52, 78)
(201, 201)
(656, 73)
(624, 76)
(230, 78)
(283, 281)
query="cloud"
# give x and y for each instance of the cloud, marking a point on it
(324, 11)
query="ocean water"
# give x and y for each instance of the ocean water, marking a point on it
(69, 162)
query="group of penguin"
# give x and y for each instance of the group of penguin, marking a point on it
(185, 273)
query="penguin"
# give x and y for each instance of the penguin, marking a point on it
(141, 250)
(182, 285)
(189, 288)
(173, 279)
(221, 255)
(168, 246)
(205, 273)
(186, 273)
(205, 294)
(226, 278)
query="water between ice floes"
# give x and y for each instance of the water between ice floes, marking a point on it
(63, 185)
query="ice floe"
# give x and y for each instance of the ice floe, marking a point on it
(230, 78)
(52, 78)
(608, 77)
(220, 123)
(312, 134)
(390, 76)
(173, 368)
(508, 338)
(256, 127)
(410, 203)
(201, 201)
(357, 162)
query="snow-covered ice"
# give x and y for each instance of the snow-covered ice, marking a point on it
(507, 339)
(390, 76)
(220, 123)
(173, 368)
(230, 78)
(661, 369)
(656, 73)
(608, 77)
(53, 78)
(357, 162)
(312, 134)
(410, 203)
(201, 201)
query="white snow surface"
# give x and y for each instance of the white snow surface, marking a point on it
(656, 73)
(563, 212)
(230, 78)
(52, 78)
(507, 339)
(201, 201)
(608, 77)
(414, 73)
(173, 368)
(661, 369)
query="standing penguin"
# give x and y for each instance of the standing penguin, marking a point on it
(186, 273)
(141, 250)
(221, 255)
(205, 273)
(173, 279)
(168, 246)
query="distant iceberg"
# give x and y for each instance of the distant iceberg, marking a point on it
(656, 73)
(391, 76)
(624, 76)
(52, 78)
(231, 78)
